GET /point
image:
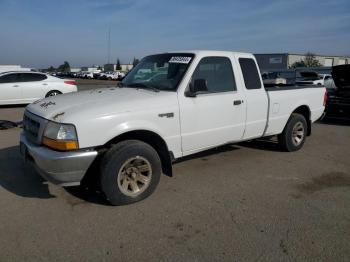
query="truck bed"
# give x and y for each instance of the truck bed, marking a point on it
(283, 100)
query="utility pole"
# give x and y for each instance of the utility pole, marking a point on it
(109, 46)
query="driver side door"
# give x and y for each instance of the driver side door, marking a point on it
(216, 115)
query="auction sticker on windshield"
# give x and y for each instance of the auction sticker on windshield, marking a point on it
(180, 59)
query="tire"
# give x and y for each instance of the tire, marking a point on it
(53, 93)
(294, 134)
(130, 172)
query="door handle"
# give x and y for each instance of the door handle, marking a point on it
(44, 84)
(237, 102)
(15, 86)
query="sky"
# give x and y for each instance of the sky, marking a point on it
(41, 33)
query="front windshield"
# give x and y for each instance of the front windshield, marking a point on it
(161, 72)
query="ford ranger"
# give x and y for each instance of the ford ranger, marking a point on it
(134, 131)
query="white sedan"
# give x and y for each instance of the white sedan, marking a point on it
(322, 80)
(27, 87)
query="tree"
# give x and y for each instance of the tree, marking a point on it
(118, 67)
(309, 61)
(135, 62)
(299, 63)
(65, 67)
(51, 69)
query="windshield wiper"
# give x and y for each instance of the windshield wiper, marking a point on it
(143, 86)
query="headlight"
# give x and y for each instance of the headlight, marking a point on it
(60, 136)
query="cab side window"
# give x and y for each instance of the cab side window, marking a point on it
(218, 74)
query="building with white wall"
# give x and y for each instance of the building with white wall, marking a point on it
(278, 61)
(6, 68)
(113, 67)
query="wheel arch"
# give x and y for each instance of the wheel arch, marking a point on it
(51, 91)
(154, 140)
(305, 111)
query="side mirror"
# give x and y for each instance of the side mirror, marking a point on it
(199, 85)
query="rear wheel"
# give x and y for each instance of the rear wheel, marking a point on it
(130, 172)
(294, 133)
(53, 93)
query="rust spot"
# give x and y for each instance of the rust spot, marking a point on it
(58, 115)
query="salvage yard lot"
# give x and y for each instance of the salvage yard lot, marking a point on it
(246, 202)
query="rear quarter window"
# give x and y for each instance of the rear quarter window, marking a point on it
(250, 73)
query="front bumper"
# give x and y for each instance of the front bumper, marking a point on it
(60, 168)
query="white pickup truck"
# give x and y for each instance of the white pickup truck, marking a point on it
(128, 135)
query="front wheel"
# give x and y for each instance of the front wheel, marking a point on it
(294, 134)
(130, 172)
(53, 93)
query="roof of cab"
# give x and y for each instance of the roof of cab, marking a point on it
(211, 52)
(206, 52)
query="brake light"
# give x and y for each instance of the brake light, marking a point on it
(70, 82)
(325, 98)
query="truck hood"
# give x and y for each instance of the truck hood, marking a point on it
(99, 102)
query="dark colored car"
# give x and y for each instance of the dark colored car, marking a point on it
(338, 103)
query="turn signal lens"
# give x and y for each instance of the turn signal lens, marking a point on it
(61, 145)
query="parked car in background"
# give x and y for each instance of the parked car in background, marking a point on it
(87, 75)
(114, 75)
(63, 74)
(97, 75)
(272, 79)
(312, 78)
(26, 87)
(322, 79)
(307, 78)
(338, 88)
(108, 76)
(329, 84)
(121, 75)
(134, 132)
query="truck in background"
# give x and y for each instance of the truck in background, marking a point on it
(338, 88)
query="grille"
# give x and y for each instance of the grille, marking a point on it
(31, 128)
